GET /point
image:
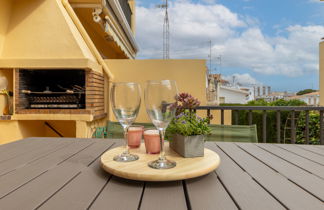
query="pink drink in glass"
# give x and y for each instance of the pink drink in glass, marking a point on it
(135, 134)
(152, 141)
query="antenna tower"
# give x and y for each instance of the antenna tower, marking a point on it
(166, 31)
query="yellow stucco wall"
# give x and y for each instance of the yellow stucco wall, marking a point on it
(321, 72)
(13, 130)
(66, 128)
(5, 8)
(189, 75)
(41, 25)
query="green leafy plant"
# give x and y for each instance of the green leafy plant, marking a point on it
(314, 128)
(5, 91)
(187, 122)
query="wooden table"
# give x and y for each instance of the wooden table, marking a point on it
(43, 173)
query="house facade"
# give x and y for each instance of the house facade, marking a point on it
(231, 95)
(311, 99)
(59, 57)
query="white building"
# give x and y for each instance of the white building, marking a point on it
(222, 91)
(312, 99)
(230, 95)
(250, 90)
(261, 90)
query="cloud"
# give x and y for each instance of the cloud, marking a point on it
(238, 38)
(191, 25)
(209, 1)
(293, 55)
(243, 79)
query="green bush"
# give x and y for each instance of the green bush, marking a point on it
(314, 128)
(260, 102)
(293, 102)
(272, 120)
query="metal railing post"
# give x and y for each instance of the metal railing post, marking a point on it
(278, 126)
(293, 128)
(264, 126)
(307, 127)
(235, 117)
(250, 118)
(222, 116)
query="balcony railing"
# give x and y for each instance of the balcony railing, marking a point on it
(290, 112)
(127, 10)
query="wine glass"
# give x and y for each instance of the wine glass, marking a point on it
(160, 100)
(125, 101)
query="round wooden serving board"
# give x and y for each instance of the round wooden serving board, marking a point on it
(139, 170)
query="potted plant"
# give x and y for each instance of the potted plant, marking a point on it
(187, 130)
(8, 109)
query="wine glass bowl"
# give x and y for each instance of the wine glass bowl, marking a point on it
(160, 100)
(125, 100)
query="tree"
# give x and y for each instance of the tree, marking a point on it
(302, 92)
(259, 102)
(293, 102)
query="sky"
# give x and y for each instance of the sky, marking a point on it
(264, 42)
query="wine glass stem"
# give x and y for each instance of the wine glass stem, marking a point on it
(126, 140)
(162, 154)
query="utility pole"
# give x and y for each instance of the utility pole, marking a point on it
(166, 31)
(210, 56)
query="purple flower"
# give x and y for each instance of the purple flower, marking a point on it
(180, 115)
(183, 122)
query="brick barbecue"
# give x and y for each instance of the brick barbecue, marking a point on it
(53, 91)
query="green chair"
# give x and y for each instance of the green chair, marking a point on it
(233, 133)
(100, 132)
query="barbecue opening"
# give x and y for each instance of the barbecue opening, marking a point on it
(52, 89)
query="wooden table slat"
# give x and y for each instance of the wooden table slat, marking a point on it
(65, 173)
(119, 194)
(21, 176)
(163, 195)
(23, 149)
(37, 153)
(257, 198)
(13, 149)
(37, 191)
(287, 192)
(207, 192)
(297, 160)
(303, 153)
(306, 180)
(312, 148)
(82, 190)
